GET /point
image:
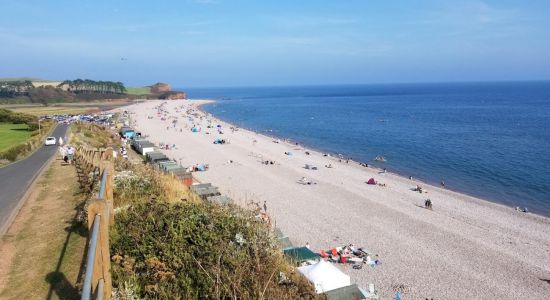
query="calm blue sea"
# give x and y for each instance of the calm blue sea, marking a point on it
(491, 140)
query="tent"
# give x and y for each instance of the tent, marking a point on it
(325, 277)
(371, 181)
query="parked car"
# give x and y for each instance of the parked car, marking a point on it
(50, 141)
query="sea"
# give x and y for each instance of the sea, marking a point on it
(489, 140)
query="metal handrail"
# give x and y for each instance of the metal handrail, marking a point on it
(102, 185)
(86, 290)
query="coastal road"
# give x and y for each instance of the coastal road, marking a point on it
(16, 178)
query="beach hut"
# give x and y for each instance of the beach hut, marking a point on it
(220, 199)
(127, 132)
(155, 157)
(325, 277)
(205, 190)
(300, 255)
(349, 292)
(142, 146)
(187, 178)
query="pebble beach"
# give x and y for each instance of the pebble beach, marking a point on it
(464, 248)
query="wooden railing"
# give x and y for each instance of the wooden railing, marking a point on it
(96, 166)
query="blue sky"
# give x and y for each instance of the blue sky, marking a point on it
(248, 43)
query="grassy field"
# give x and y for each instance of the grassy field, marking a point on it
(12, 134)
(138, 90)
(65, 108)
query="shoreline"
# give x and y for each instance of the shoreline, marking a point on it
(464, 242)
(372, 166)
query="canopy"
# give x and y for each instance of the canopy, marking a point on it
(325, 277)
(371, 181)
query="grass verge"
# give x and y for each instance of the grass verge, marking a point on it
(44, 247)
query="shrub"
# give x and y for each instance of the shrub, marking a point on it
(197, 250)
(12, 153)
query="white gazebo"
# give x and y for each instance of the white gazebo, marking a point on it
(325, 277)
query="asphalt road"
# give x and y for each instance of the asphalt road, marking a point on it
(16, 178)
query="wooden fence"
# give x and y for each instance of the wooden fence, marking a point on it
(96, 166)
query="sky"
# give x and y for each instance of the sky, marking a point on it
(204, 43)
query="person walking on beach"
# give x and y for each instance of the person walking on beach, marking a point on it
(265, 207)
(442, 184)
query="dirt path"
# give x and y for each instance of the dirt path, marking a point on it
(41, 253)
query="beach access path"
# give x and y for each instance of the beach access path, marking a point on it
(466, 248)
(16, 178)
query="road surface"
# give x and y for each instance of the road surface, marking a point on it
(16, 178)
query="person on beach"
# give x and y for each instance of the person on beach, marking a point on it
(428, 204)
(442, 184)
(265, 207)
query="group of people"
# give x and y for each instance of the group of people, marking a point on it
(123, 152)
(428, 204)
(167, 146)
(66, 152)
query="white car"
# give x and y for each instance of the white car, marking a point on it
(50, 141)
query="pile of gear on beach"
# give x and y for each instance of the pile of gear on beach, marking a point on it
(349, 254)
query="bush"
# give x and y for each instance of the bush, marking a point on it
(12, 153)
(141, 183)
(197, 250)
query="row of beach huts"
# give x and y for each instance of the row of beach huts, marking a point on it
(159, 160)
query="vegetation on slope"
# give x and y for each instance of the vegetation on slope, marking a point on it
(197, 250)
